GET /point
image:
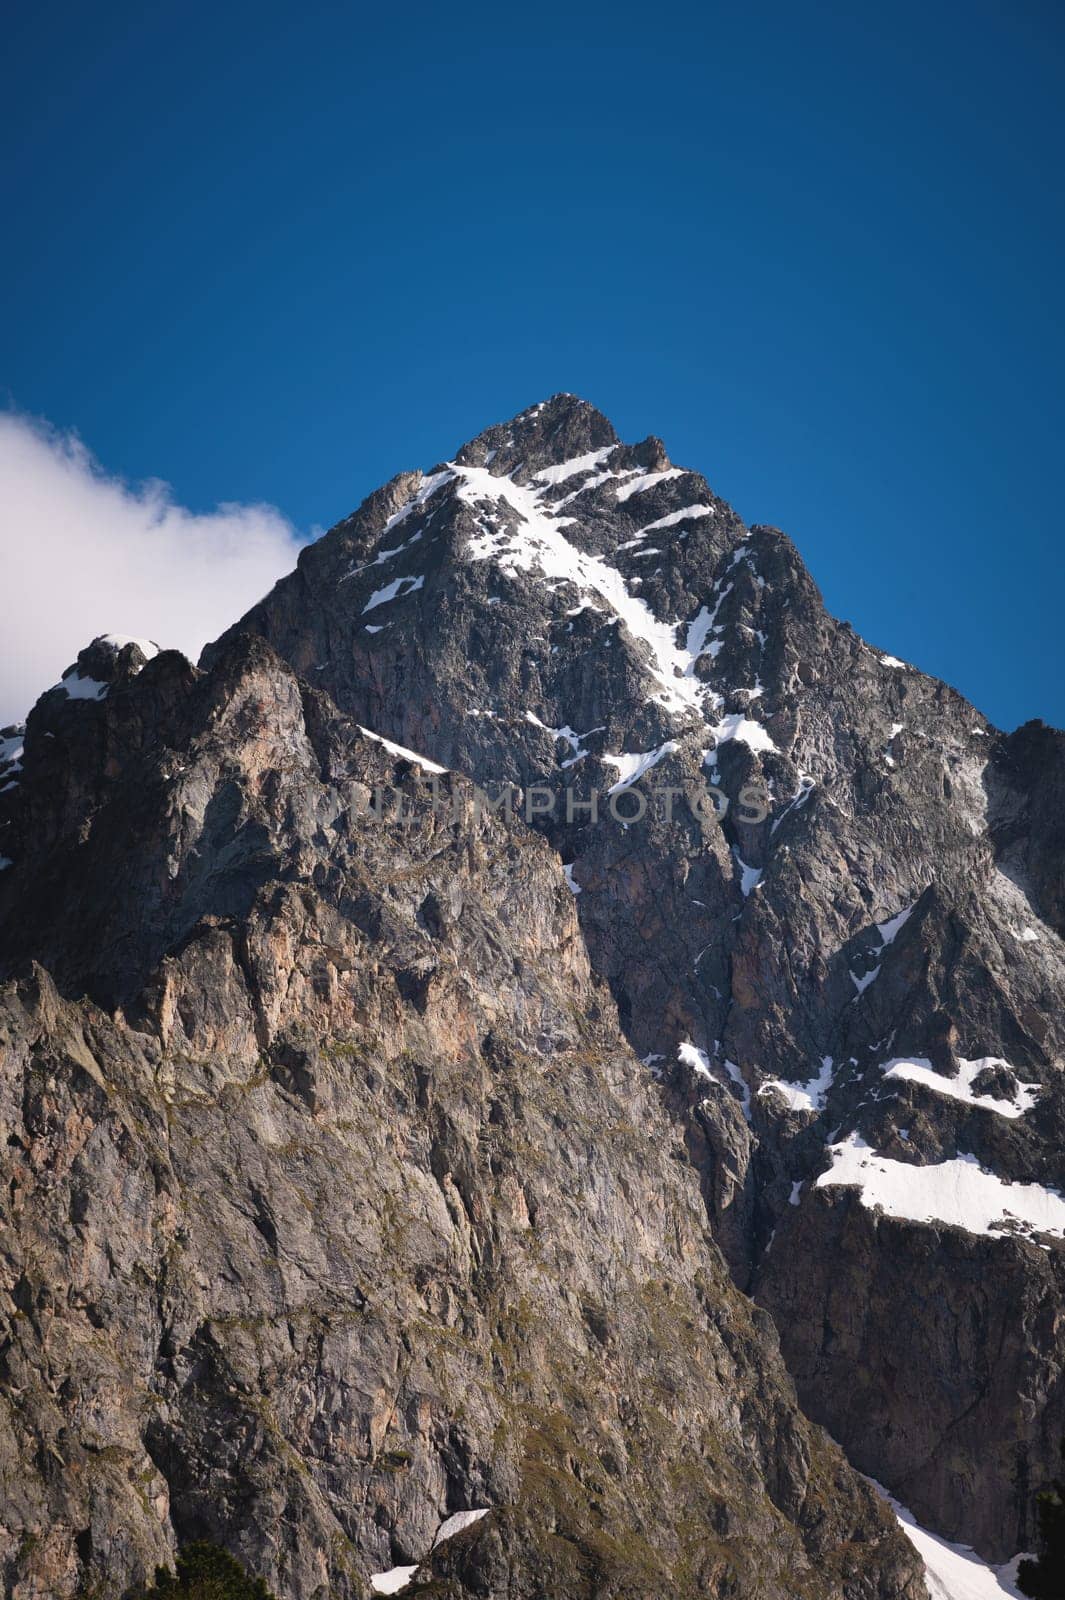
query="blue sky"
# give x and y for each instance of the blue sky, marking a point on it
(276, 254)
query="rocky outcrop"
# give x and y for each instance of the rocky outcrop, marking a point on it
(335, 1202)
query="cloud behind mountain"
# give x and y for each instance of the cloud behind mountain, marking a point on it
(85, 553)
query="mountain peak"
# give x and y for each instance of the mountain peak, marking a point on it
(684, 818)
(555, 430)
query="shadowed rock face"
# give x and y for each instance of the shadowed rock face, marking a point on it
(340, 1203)
(345, 1185)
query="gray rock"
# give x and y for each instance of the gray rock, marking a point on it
(888, 792)
(335, 1201)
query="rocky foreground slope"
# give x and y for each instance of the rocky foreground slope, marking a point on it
(362, 1169)
(340, 1205)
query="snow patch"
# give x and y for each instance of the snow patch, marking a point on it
(889, 929)
(808, 1096)
(954, 1571)
(401, 750)
(574, 739)
(381, 597)
(12, 750)
(118, 641)
(699, 1062)
(456, 1523)
(805, 788)
(632, 766)
(741, 1083)
(540, 544)
(382, 556)
(920, 1070)
(648, 480)
(686, 513)
(701, 626)
(393, 1581)
(750, 877)
(570, 469)
(957, 1193)
(744, 730)
(698, 628)
(427, 488)
(79, 688)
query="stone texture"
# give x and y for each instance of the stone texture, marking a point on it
(888, 791)
(409, 1228)
(334, 1200)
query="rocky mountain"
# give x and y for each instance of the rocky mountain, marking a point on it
(536, 991)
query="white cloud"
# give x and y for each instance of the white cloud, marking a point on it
(82, 553)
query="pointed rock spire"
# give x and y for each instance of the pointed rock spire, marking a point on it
(556, 430)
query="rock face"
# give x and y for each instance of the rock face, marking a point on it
(364, 1168)
(554, 602)
(335, 1202)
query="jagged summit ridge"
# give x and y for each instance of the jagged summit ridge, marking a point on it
(554, 498)
(544, 435)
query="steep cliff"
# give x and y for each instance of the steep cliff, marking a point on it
(335, 1202)
(876, 962)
